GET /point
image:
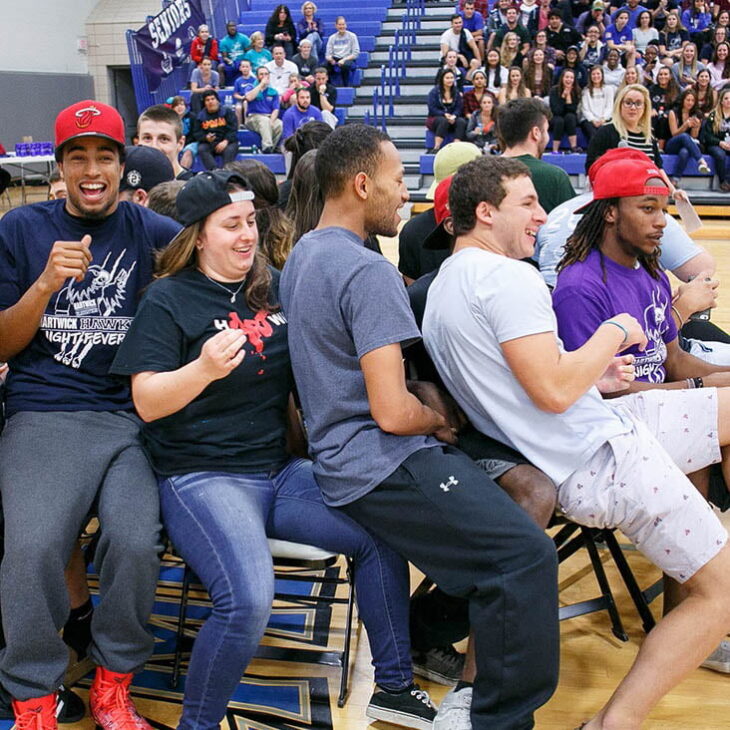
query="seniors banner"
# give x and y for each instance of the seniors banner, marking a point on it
(164, 41)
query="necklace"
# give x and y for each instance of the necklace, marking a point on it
(233, 294)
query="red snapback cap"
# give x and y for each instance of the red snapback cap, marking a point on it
(617, 153)
(88, 119)
(439, 238)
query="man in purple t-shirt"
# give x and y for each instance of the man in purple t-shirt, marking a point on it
(299, 113)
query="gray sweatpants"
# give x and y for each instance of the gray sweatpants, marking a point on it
(53, 468)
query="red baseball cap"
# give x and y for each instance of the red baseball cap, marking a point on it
(625, 178)
(439, 238)
(88, 119)
(617, 153)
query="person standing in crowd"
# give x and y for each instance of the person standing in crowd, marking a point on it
(342, 51)
(716, 138)
(310, 28)
(564, 105)
(88, 254)
(377, 454)
(522, 129)
(161, 127)
(233, 47)
(445, 110)
(263, 112)
(596, 103)
(216, 131)
(223, 367)
(280, 31)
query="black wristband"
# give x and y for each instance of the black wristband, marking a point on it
(698, 382)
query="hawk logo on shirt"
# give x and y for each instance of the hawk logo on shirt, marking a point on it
(85, 116)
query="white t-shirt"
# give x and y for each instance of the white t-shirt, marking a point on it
(677, 247)
(452, 40)
(477, 301)
(279, 75)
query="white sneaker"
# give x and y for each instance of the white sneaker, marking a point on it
(454, 711)
(719, 660)
(703, 167)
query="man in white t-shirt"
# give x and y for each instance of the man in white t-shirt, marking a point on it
(458, 39)
(491, 332)
(280, 69)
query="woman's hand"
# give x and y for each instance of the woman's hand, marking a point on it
(222, 353)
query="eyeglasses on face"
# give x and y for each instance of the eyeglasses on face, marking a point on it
(638, 104)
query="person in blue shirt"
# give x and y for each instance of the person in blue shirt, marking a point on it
(697, 19)
(633, 8)
(474, 23)
(619, 36)
(232, 49)
(299, 113)
(262, 115)
(243, 84)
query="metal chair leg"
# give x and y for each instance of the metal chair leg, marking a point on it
(344, 675)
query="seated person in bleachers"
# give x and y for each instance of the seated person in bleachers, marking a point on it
(716, 138)
(512, 25)
(651, 64)
(514, 86)
(596, 105)
(595, 16)
(203, 79)
(644, 33)
(451, 63)
(538, 74)
(619, 37)
(663, 94)
(523, 132)
(460, 40)
(685, 121)
(593, 49)
(572, 60)
(530, 16)
(280, 31)
(306, 60)
(342, 51)
(631, 76)
(706, 95)
(687, 67)
(311, 28)
(481, 129)
(613, 71)
(474, 23)
(257, 54)
(472, 98)
(697, 19)
(222, 366)
(324, 96)
(509, 52)
(280, 69)
(497, 16)
(233, 47)
(719, 35)
(495, 72)
(288, 98)
(216, 132)
(299, 113)
(565, 106)
(263, 112)
(162, 198)
(445, 110)
(204, 46)
(630, 126)
(144, 167)
(561, 36)
(161, 127)
(487, 311)
(56, 185)
(672, 39)
(242, 85)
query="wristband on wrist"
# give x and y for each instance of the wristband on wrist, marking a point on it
(620, 326)
(690, 383)
(678, 316)
(698, 382)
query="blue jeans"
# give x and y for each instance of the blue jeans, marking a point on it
(316, 40)
(684, 147)
(219, 522)
(719, 155)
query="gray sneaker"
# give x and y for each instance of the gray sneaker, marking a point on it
(442, 665)
(719, 660)
(455, 711)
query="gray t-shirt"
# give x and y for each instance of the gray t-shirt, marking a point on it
(342, 301)
(478, 301)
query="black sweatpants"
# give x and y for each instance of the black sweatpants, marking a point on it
(441, 512)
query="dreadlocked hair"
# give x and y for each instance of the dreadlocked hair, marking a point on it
(588, 236)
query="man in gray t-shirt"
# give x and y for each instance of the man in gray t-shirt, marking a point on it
(379, 451)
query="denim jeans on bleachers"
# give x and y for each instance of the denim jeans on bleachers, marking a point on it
(684, 147)
(719, 155)
(219, 523)
(316, 40)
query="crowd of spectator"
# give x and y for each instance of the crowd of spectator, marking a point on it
(578, 56)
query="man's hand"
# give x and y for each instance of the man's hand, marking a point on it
(67, 259)
(618, 376)
(444, 405)
(222, 353)
(221, 146)
(698, 294)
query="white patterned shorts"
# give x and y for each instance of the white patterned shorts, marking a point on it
(636, 482)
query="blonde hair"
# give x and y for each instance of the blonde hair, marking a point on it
(717, 113)
(505, 55)
(644, 122)
(255, 36)
(676, 14)
(681, 64)
(308, 2)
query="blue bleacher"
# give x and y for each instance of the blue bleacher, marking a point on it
(275, 163)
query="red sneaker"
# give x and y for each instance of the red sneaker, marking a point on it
(38, 713)
(111, 706)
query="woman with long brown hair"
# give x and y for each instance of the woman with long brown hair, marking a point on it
(715, 138)
(685, 121)
(514, 87)
(564, 103)
(211, 377)
(538, 73)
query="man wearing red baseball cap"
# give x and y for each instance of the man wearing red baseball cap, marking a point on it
(71, 273)
(620, 463)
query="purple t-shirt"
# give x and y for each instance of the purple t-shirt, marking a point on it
(582, 300)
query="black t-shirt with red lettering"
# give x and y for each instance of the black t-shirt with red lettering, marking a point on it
(238, 423)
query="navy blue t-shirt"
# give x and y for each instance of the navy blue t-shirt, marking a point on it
(65, 367)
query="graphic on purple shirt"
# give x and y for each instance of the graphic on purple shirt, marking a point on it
(582, 300)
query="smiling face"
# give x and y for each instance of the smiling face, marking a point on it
(387, 193)
(612, 58)
(723, 51)
(305, 49)
(447, 80)
(596, 76)
(493, 59)
(592, 34)
(511, 16)
(161, 135)
(540, 39)
(203, 33)
(451, 59)
(227, 243)
(663, 76)
(703, 79)
(308, 10)
(341, 25)
(554, 22)
(689, 52)
(672, 21)
(457, 24)
(538, 57)
(568, 79)
(724, 102)
(631, 76)
(515, 76)
(92, 170)
(650, 54)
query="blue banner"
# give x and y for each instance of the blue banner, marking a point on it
(164, 41)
